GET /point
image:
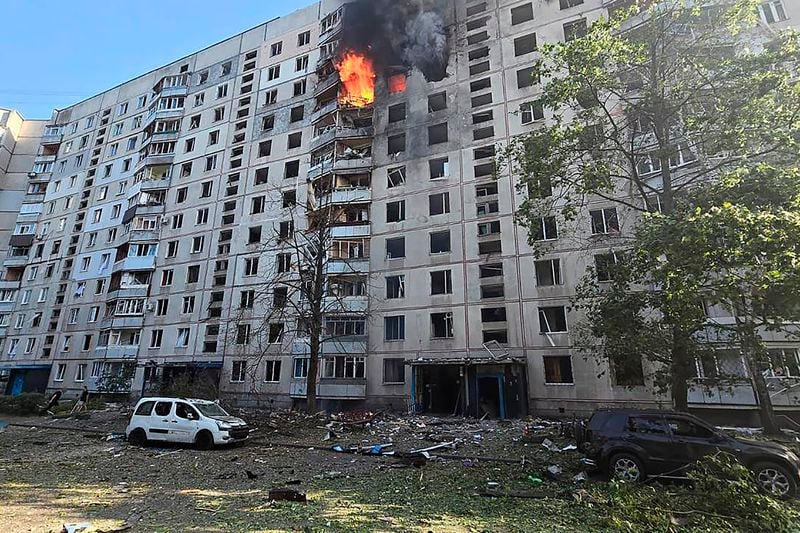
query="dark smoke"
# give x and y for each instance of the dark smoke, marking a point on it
(398, 33)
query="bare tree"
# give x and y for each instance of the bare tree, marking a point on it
(305, 295)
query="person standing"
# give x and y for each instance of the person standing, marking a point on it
(83, 400)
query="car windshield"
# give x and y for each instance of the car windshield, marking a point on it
(211, 409)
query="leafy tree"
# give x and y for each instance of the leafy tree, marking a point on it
(642, 109)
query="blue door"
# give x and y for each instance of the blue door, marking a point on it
(19, 382)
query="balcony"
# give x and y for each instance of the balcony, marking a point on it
(340, 133)
(153, 209)
(163, 114)
(346, 196)
(131, 291)
(10, 284)
(343, 345)
(331, 81)
(6, 306)
(122, 322)
(320, 169)
(22, 241)
(52, 135)
(144, 235)
(347, 266)
(156, 184)
(44, 159)
(356, 165)
(350, 230)
(118, 351)
(147, 262)
(328, 108)
(15, 261)
(347, 304)
(333, 389)
(34, 197)
(155, 160)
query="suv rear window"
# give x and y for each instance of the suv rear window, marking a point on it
(144, 409)
(163, 408)
(647, 424)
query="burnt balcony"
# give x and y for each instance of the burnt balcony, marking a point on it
(324, 110)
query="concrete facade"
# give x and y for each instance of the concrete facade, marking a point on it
(141, 247)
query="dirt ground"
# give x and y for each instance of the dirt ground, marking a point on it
(49, 477)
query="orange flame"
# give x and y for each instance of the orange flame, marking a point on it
(358, 79)
(397, 83)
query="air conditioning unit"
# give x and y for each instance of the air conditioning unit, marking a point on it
(164, 221)
(32, 174)
(149, 307)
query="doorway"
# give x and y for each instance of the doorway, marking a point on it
(491, 402)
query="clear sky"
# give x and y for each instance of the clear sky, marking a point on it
(58, 52)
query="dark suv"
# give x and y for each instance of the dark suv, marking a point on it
(633, 444)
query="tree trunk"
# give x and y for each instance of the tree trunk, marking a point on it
(752, 350)
(679, 371)
(311, 378)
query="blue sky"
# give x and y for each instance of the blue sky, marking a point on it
(67, 50)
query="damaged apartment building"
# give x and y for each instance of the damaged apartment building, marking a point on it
(150, 210)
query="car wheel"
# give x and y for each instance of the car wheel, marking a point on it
(774, 479)
(138, 438)
(626, 467)
(204, 440)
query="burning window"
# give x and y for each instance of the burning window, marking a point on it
(397, 83)
(357, 74)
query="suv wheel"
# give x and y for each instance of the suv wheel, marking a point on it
(204, 440)
(138, 438)
(626, 467)
(775, 480)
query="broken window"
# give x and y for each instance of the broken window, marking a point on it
(344, 366)
(395, 286)
(437, 134)
(574, 30)
(490, 247)
(527, 77)
(437, 102)
(395, 247)
(531, 111)
(492, 291)
(548, 272)
(441, 282)
(493, 314)
(396, 177)
(272, 372)
(292, 169)
(496, 335)
(275, 333)
(546, 229)
(525, 44)
(604, 265)
(394, 371)
(552, 319)
(491, 270)
(439, 168)
(482, 100)
(480, 85)
(394, 328)
(489, 228)
(254, 235)
(566, 4)
(262, 176)
(521, 14)
(439, 204)
(396, 211)
(397, 144)
(486, 189)
(440, 242)
(442, 325)
(243, 334)
(294, 140)
(397, 112)
(264, 148)
(297, 114)
(604, 221)
(627, 372)
(478, 53)
(557, 369)
(487, 208)
(483, 116)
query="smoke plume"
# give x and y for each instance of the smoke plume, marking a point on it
(398, 33)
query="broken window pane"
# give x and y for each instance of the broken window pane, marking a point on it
(440, 242)
(552, 319)
(557, 369)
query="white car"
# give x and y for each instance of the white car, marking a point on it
(200, 422)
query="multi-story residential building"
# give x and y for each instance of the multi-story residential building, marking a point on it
(20, 163)
(155, 203)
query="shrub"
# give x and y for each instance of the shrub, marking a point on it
(27, 403)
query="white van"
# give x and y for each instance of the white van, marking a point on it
(200, 422)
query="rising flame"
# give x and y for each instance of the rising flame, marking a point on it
(357, 74)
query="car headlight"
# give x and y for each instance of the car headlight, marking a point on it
(223, 426)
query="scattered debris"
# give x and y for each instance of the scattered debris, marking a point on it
(553, 472)
(250, 475)
(579, 477)
(550, 446)
(535, 480)
(445, 445)
(76, 528)
(288, 495)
